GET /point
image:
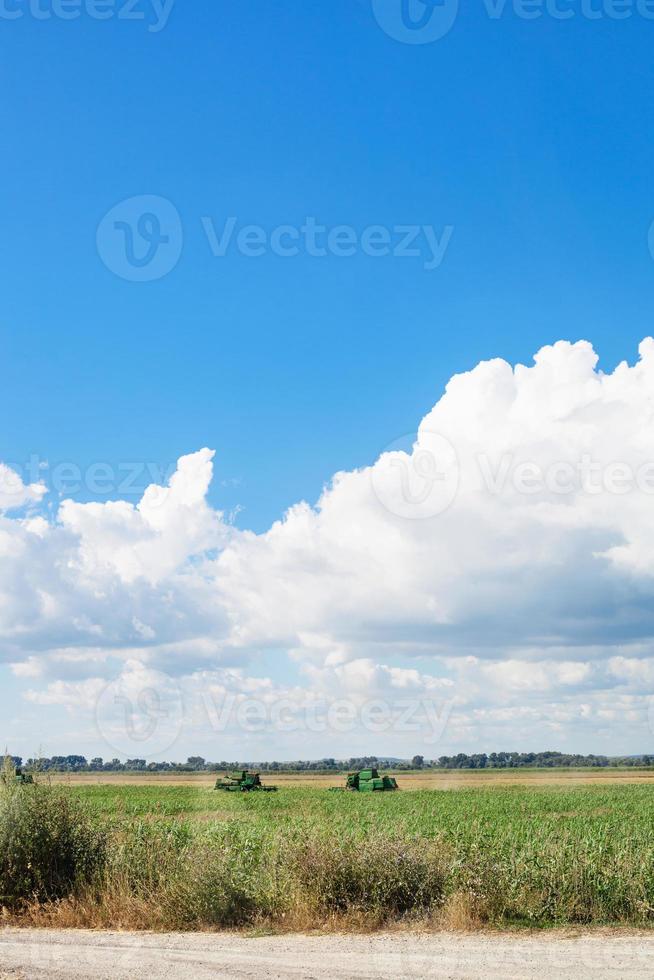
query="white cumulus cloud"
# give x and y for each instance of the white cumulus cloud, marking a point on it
(502, 558)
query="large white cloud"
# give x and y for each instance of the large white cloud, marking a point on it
(503, 559)
(539, 549)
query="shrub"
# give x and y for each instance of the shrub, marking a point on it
(170, 878)
(48, 846)
(382, 876)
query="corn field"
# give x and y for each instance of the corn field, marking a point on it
(187, 858)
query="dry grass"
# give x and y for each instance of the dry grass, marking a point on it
(458, 914)
(290, 884)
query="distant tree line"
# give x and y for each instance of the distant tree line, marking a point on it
(195, 763)
(539, 760)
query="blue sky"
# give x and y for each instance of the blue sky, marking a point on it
(529, 139)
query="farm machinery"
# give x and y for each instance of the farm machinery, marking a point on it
(368, 781)
(16, 777)
(243, 782)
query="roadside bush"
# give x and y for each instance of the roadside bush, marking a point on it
(232, 876)
(381, 876)
(48, 846)
(170, 878)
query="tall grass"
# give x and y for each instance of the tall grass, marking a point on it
(306, 858)
(48, 844)
(233, 877)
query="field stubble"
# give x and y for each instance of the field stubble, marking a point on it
(426, 779)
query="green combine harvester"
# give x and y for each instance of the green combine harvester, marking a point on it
(243, 782)
(368, 781)
(18, 777)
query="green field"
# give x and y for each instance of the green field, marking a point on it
(188, 857)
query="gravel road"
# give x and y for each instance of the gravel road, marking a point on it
(73, 955)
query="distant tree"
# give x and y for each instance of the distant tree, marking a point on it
(114, 766)
(494, 760)
(76, 762)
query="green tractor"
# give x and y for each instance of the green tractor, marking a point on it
(243, 782)
(17, 777)
(368, 781)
